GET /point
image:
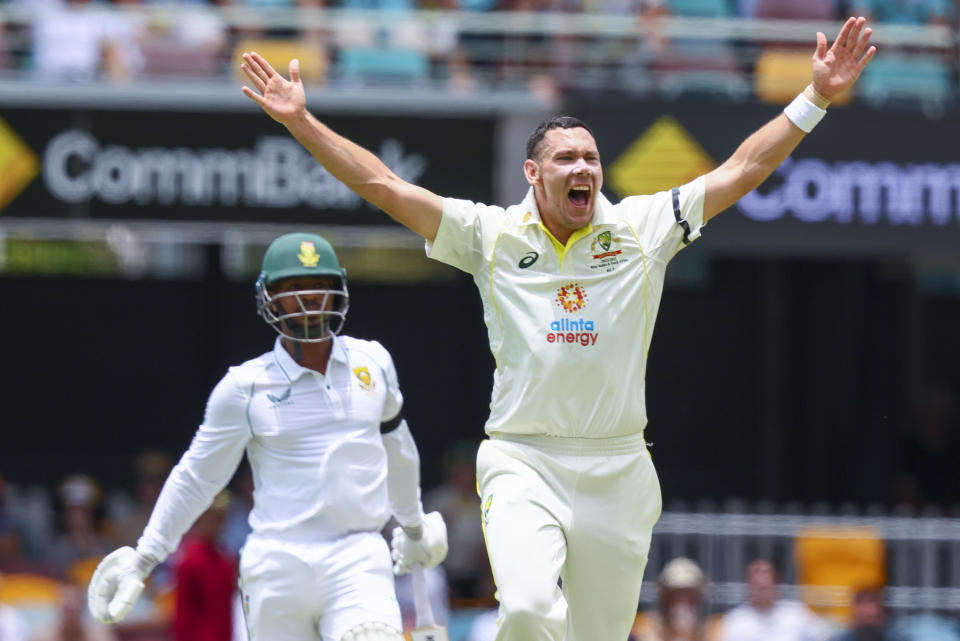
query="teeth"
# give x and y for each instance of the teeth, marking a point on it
(581, 188)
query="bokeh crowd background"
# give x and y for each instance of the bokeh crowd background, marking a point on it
(803, 384)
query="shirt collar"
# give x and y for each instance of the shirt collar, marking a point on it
(602, 210)
(292, 369)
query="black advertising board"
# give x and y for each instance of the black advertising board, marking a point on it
(222, 167)
(863, 182)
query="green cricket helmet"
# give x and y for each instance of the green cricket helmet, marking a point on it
(305, 315)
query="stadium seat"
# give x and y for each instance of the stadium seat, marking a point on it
(793, 10)
(700, 67)
(81, 571)
(163, 58)
(21, 589)
(382, 63)
(704, 8)
(35, 597)
(780, 74)
(910, 78)
(279, 52)
(834, 562)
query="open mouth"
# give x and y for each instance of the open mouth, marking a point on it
(579, 195)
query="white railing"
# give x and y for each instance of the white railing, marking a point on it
(922, 554)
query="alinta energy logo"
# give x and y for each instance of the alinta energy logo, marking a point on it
(18, 165)
(663, 157)
(572, 299)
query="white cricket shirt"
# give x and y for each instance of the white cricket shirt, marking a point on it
(570, 326)
(313, 441)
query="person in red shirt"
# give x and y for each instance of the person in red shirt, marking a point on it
(206, 580)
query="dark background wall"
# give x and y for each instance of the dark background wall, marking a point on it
(786, 380)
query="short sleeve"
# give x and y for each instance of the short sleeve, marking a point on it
(667, 221)
(466, 234)
(393, 402)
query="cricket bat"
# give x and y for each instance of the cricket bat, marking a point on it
(427, 628)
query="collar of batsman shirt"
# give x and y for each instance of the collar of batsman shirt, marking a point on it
(570, 325)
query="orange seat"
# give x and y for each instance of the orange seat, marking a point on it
(81, 571)
(278, 52)
(21, 590)
(835, 562)
(780, 74)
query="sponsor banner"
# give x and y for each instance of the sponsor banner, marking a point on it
(141, 165)
(864, 181)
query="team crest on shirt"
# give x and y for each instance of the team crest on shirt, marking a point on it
(572, 299)
(363, 375)
(605, 252)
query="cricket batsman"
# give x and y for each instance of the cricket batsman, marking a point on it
(320, 417)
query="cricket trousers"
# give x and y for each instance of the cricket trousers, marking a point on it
(576, 510)
(318, 590)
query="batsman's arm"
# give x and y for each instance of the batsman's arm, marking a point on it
(203, 470)
(834, 71)
(360, 170)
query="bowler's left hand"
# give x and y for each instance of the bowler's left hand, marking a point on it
(837, 68)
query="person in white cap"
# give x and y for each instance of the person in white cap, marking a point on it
(680, 614)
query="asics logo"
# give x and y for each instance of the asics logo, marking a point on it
(528, 259)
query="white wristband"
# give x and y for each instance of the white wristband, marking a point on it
(803, 113)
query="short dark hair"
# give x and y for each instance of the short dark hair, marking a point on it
(535, 141)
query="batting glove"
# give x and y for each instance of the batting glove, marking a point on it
(117, 583)
(426, 545)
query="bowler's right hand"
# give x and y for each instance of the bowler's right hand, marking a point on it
(284, 100)
(117, 583)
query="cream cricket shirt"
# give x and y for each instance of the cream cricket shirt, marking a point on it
(570, 326)
(313, 440)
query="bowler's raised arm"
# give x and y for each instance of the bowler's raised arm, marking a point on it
(285, 101)
(834, 71)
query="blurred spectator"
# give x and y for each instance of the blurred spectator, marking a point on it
(928, 457)
(72, 623)
(185, 40)
(206, 578)
(13, 627)
(869, 620)
(456, 499)
(12, 532)
(765, 616)
(151, 469)
(77, 548)
(77, 41)
(680, 614)
(236, 526)
(905, 11)
(790, 9)
(484, 626)
(926, 627)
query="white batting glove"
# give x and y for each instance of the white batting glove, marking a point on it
(117, 583)
(426, 545)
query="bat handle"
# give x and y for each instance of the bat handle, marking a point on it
(421, 597)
